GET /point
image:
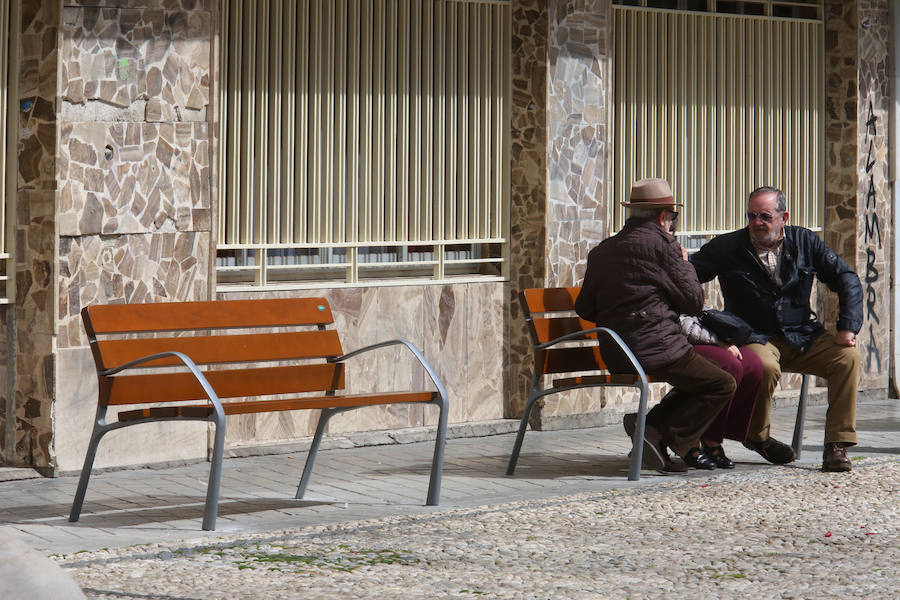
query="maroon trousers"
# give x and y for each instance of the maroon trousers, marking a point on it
(734, 420)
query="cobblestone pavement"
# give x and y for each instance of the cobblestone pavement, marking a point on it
(567, 525)
(777, 533)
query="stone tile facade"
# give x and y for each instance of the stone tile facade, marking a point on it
(559, 172)
(528, 194)
(857, 192)
(117, 145)
(873, 230)
(31, 319)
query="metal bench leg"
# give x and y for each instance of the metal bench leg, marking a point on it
(98, 432)
(801, 416)
(313, 451)
(437, 461)
(637, 449)
(520, 436)
(215, 476)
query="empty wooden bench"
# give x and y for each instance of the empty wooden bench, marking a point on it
(202, 361)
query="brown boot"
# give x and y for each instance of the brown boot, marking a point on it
(834, 458)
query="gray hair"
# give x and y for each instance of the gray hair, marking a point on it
(780, 202)
(644, 212)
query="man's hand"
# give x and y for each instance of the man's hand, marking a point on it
(736, 352)
(684, 252)
(845, 337)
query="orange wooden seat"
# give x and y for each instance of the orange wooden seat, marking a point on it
(563, 343)
(206, 360)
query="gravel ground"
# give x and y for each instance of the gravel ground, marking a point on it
(777, 532)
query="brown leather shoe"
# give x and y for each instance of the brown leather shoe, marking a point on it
(772, 450)
(656, 454)
(835, 459)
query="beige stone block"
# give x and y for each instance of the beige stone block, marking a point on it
(73, 417)
(485, 351)
(444, 345)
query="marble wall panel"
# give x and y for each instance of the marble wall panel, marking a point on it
(74, 411)
(457, 327)
(7, 400)
(385, 313)
(127, 178)
(446, 310)
(127, 268)
(484, 346)
(147, 61)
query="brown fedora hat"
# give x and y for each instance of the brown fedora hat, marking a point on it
(651, 193)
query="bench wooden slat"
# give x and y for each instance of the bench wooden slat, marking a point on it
(611, 379)
(257, 406)
(546, 329)
(579, 362)
(268, 381)
(178, 316)
(570, 360)
(538, 300)
(225, 348)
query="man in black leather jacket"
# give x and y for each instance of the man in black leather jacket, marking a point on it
(766, 271)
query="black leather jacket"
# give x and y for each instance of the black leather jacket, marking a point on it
(771, 310)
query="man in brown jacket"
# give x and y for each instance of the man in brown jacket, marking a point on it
(637, 283)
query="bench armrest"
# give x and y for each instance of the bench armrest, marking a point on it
(412, 348)
(638, 370)
(187, 361)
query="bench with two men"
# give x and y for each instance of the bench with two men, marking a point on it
(564, 349)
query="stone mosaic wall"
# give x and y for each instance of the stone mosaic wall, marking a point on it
(528, 195)
(578, 93)
(857, 194)
(873, 230)
(134, 201)
(128, 150)
(133, 161)
(560, 95)
(33, 314)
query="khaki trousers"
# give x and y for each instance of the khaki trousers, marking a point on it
(838, 365)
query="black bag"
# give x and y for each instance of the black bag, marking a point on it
(729, 327)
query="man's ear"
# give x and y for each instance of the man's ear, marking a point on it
(787, 216)
(661, 218)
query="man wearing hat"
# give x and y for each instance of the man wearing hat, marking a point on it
(637, 283)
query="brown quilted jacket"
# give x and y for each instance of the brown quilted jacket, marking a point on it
(637, 283)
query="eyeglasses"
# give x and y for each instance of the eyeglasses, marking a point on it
(674, 214)
(764, 217)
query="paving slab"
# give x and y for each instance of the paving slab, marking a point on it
(127, 507)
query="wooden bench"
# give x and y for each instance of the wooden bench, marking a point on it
(563, 343)
(257, 356)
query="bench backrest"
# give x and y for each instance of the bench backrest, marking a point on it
(271, 330)
(549, 314)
